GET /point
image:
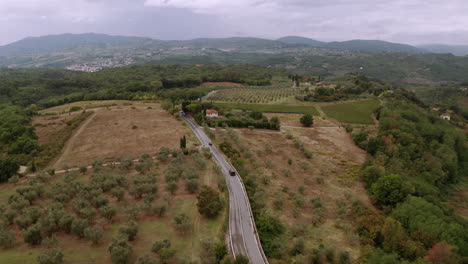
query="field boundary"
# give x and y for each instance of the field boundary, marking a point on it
(69, 142)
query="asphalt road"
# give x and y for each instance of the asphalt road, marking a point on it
(242, 233)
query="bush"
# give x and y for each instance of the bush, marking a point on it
(146, 260)
(160, 244)
(53, 256)
(191, 186)
(344, 258)
(108, 212)
(130, 230)
(307, 120)
(8, 168)
(94, 234)
(391, 189)
(209, 202)
(118, 192)
(120, 251)
(33, 235)
(183, 223)
(7, 238)
(241, 259)
(78, 227)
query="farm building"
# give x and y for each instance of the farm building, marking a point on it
(445, 116)
(211, 113)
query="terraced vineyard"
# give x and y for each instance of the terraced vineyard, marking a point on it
(255, 94)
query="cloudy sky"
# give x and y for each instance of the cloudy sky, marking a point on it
(407, 21)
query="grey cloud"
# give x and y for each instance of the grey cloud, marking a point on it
(414, 21)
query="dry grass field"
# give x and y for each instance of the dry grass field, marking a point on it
(115, 132)
(329, 176)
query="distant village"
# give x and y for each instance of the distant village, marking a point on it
(100, 64)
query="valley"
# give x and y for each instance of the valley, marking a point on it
(117, 153)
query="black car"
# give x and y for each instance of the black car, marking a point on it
(232, 173)
(211, 144)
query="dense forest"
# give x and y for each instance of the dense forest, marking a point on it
(415, 160)
(46, 87)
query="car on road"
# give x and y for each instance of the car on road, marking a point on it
(211, 144)
(232, 173)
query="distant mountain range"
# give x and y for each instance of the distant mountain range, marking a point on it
(397, 63)
(53, 43)
(458, 50)
(68, 42)
(354, 45)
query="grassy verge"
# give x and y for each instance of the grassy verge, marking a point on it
(272, 108)
(358, 112)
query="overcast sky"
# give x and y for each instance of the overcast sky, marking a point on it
(406, 21)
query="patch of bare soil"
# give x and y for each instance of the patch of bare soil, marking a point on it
(46, 126)
(122, 132)
(293, 120)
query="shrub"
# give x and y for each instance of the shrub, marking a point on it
(118, 192)
(146, 260)
(307, 120)
(32, 235)
(129, 230)
(53, 256)
(160, 244)
(172, 187)
(78, 227)
(191, 186)
(7, 238)
(391, 189)
(183, 223)
(120, 251)
(94, 234)
(209, 202)
(344, 258)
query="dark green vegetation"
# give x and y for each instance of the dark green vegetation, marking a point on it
(449, 98)
(358, 112)
(350, 86)
(17, 139)
(307, 120)
(229, 117)
(55, 87)
(415, 160)
(272, 108)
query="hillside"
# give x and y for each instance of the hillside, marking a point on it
(373, 46)
(52, 43)
(458, 50)
(399, 64)
(301, 40)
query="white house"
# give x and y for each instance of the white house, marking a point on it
(445, 116)
(211, 113)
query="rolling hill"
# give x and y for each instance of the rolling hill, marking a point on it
(53, 43)
(458, 50)
(354, 45)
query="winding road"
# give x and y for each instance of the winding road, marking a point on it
(243, 235)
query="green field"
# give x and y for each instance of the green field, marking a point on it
(272, 108)
(358, 112)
